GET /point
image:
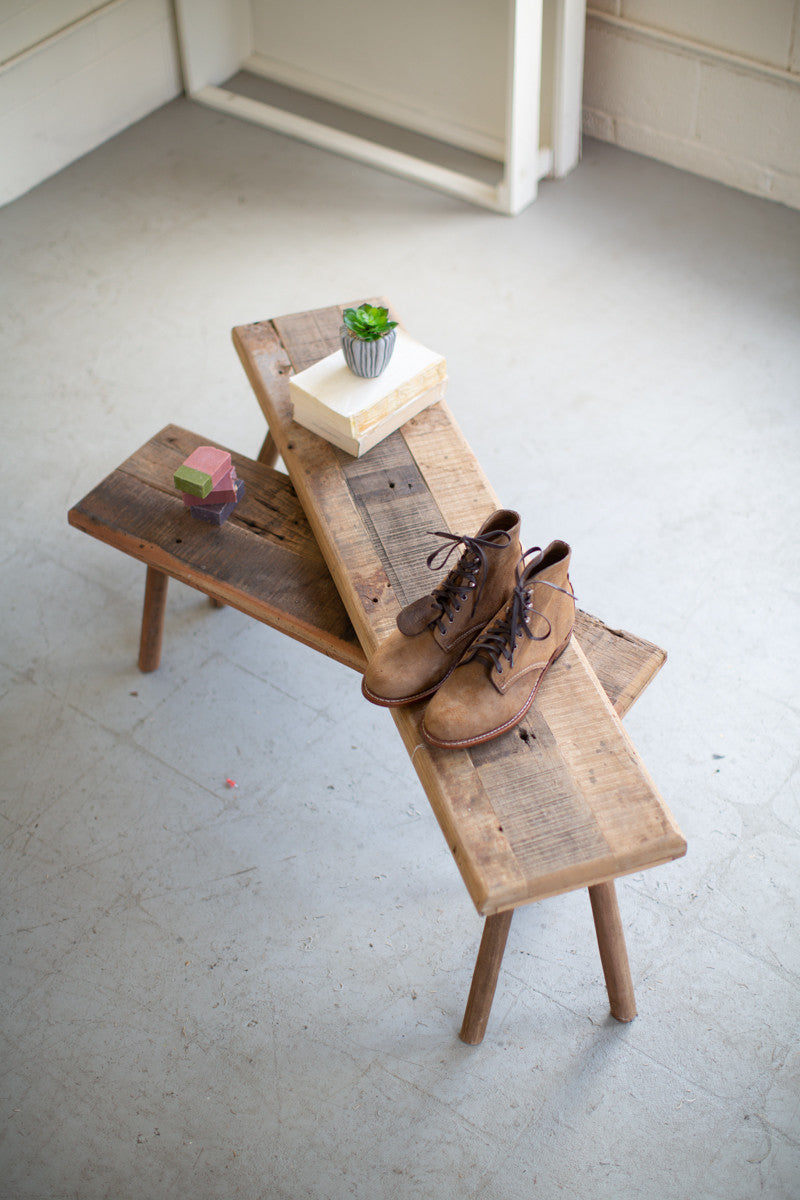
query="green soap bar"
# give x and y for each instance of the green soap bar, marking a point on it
(196, 483)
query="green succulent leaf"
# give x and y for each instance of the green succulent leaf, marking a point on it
(368, 322)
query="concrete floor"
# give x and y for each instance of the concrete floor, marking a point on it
(255, 992)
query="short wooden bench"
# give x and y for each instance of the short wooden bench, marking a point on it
(263, 561)
(563, 802)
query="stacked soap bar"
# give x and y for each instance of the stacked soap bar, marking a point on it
(209, 483)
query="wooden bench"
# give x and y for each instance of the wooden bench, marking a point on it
(563, 802)
(263, 560)
(560, 803)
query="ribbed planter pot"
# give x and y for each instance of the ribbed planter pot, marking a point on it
(367, 359)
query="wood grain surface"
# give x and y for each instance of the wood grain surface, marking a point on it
(263, 560)
(292, 589)
(561, 802)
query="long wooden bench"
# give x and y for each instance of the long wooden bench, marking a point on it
(563, 802)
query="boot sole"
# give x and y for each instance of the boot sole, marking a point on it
(385, 702)
(479, 739)
(382, 702)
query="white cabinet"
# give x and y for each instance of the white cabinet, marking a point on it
(498, 78)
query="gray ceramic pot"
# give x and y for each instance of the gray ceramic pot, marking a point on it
(367, 359)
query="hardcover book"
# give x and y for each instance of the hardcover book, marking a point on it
(355, 414)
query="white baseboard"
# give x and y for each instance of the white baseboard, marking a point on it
(362, 100)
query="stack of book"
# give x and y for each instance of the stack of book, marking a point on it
(355, 414)
(209, 484)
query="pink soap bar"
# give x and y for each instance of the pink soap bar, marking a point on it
(223, 493)
(217, 514)
(200, 473)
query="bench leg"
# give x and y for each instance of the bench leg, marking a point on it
(613, 953)
(484, 979)
(268, 454)
(155, 605)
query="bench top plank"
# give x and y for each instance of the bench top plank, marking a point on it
(263, 560)
(563, 801)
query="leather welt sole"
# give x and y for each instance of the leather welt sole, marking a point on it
(489, 734)
(399, 701)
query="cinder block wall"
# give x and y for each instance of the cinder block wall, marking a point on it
(72, 74)
(713, 88)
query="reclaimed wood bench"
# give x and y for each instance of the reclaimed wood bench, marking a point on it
(561, 803)
(266, 562)
(263, 561)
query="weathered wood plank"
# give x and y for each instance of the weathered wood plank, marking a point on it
(624, 664)
(316, 467)
(562, 802)
(263, 560)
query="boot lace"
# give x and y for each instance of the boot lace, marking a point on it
(463, 578)
(500, 640)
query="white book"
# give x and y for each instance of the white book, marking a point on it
(355, 414)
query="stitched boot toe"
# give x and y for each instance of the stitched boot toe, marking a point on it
(463, 709)
(491, 691)
(403, 669)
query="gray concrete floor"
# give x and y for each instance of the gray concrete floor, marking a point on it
(255, 992)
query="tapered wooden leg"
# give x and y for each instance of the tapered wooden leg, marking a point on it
(268, 454)
(613, 952)
(484, 979)
(155, 605)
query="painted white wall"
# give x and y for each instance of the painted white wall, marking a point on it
(710, 86)
(215, 37)
(23, 23)
(439, 68)
(72, 74)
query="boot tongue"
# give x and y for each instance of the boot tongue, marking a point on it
(531, 568)
(417, 616)
(551, 564)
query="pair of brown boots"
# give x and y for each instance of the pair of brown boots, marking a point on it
(481, 643)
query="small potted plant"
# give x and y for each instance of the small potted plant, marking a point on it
(368, 339)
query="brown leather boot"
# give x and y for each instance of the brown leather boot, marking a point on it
(495, 685)
(434, 632)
